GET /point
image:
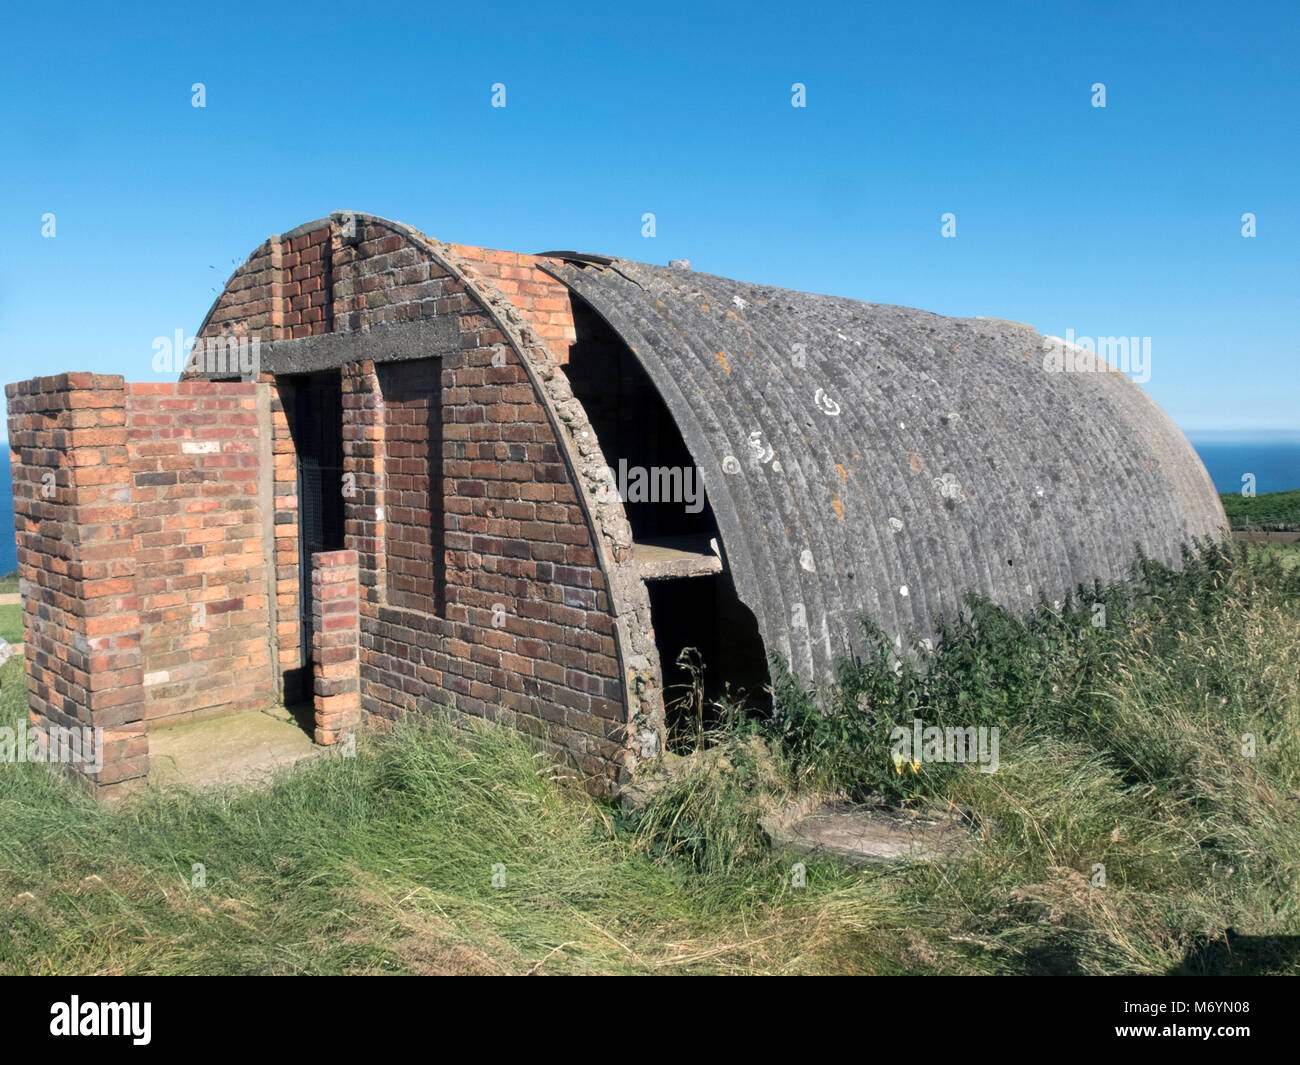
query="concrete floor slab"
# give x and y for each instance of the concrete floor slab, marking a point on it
(242, 749)
(863, 835)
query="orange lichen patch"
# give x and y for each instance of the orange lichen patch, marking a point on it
(722, 360)
(838, 507)
(844, 474)
(733, 316)
(916, 462)
(704, 307)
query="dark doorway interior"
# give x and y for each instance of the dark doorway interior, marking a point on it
(703, 613)
(699, 611)
(314, 408)
(634, 427)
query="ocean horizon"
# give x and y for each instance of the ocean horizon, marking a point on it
(1272, 458)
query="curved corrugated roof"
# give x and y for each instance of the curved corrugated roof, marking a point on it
(863, 458)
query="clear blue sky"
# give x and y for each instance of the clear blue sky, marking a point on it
(1117, 221)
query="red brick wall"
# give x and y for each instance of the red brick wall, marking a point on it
(542, 300)
(141, 551)
(252, 303)
(411, 394)
(73, 521)
(526, 634)
(262, 299)
(307, 290)
(335, 645)
(524, 629)
(284, 458)
(287, 287)
(201, 583)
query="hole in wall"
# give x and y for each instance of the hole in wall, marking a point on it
(636, 432)
(701, 612)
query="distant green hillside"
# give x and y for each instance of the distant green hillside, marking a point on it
(1271, 510)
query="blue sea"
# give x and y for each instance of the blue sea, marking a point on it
(1273, 459)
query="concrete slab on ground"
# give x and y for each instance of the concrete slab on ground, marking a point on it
(242, 749)
(865, 835)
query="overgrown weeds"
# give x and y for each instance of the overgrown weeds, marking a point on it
(1149, 785)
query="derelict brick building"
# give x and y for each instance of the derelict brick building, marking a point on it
(408, 508)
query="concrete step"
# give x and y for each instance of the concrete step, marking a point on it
(866, 835)
(241, 749)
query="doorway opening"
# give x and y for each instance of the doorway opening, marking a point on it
(710, 652)
(313, 405)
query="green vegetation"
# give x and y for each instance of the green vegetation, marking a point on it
(1121, 745)
(9, 583)
(11, 622)
(384, 863)
(1273, 510)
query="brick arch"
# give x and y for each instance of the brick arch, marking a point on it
(358, 274)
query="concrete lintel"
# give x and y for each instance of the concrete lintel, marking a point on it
(421, 339)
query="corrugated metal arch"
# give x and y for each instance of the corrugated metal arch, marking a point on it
(864, 458)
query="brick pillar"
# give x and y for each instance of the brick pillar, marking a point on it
(335, 644)
(74, 522)
(363, 446)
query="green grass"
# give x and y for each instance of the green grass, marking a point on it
(1123, 745)
(1119, 746)
(11, 622)
(1273, 510)
(9, 583)
(384, 863)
